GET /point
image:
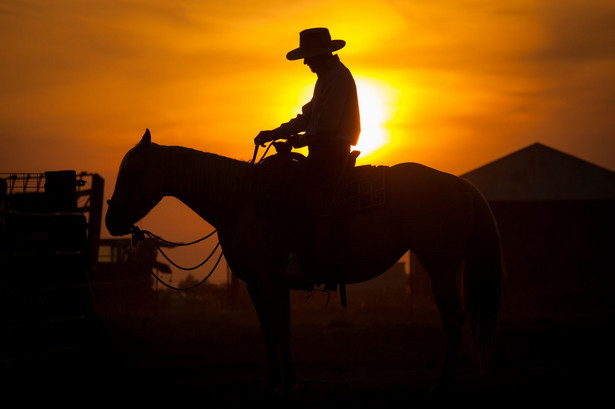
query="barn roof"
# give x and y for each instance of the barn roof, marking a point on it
(538, 173)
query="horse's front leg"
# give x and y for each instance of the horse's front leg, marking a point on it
(271, 300)
(282, 335)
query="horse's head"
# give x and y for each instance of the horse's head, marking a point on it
(136, 190)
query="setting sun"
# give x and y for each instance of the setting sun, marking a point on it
(377, 102)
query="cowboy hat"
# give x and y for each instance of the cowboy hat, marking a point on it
(314, 41)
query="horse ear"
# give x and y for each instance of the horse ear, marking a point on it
(147, 138)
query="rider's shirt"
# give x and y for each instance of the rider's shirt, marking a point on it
(332, 116)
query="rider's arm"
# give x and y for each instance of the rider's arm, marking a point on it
(288, 129)
(299, 123)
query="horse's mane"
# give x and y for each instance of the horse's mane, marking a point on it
(219, 169)
(209, 160)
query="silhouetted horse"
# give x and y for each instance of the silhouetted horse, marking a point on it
(443, 219)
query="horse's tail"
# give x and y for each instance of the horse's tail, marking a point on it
(482, 282)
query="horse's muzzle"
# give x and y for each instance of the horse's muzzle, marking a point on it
(116, 222)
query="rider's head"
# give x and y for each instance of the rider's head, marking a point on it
(317, 61)
(315, 44)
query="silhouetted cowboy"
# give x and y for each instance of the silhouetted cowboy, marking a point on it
(330, 123)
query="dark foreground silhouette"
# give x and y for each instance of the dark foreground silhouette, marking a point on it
(194, 355)
(443, 219)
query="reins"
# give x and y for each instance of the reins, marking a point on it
(139, 235)
(256, 146)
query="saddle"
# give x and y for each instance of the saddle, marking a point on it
(354, 190)
(317, 233)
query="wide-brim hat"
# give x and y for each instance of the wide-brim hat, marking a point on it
(315, 41)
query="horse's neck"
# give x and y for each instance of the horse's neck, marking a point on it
(209, 184)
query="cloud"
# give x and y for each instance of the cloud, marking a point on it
(577, 31)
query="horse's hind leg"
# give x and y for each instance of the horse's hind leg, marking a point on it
(444, 284)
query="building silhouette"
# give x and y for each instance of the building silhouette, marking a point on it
(556, 215)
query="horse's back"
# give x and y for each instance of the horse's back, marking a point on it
(421, 175)
(425, 210)
(435, 208)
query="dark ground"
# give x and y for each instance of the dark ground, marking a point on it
(381, 357)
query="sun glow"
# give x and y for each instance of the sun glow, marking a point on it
(377, 103)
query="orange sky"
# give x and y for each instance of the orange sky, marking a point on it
(463, 82)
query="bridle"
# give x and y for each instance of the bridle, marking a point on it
(138, 235)
(136, 181)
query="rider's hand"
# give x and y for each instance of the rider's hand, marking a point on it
(294, 141)
(266, 136)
